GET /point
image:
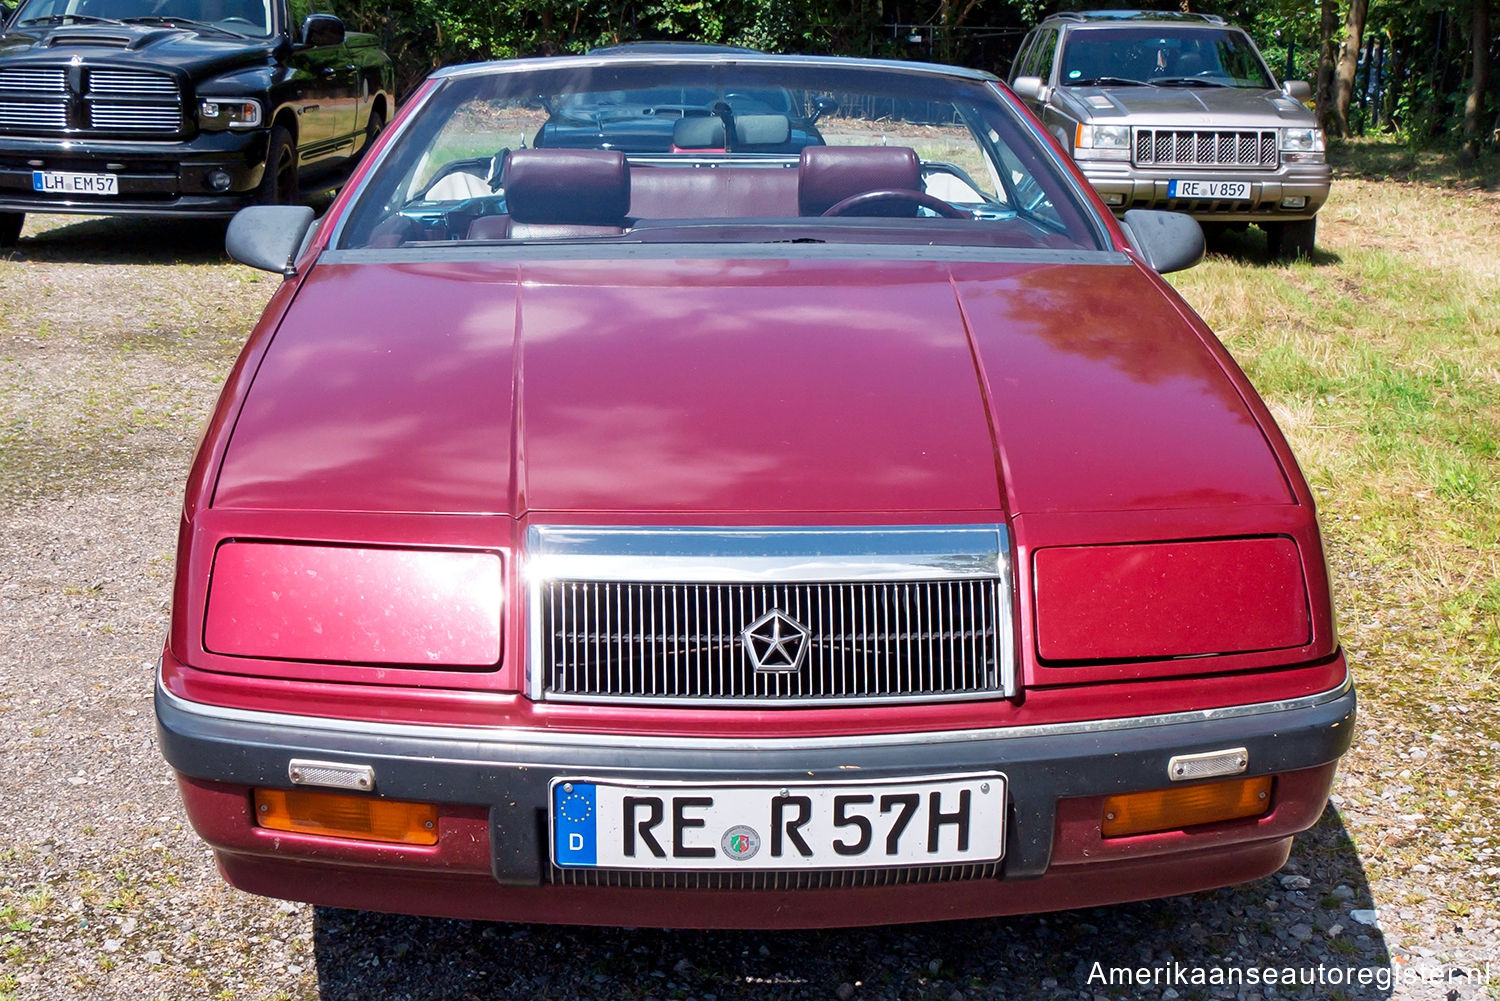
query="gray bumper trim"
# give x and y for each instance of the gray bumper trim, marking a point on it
(509, 769)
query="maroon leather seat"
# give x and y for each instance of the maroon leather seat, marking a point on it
(826, 175)
(712, 192)
(560, 193)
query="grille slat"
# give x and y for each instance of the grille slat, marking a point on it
(872, 640)
(51, 116)
(818, 879)
(133, 83)
(135, 117)
(53, 81)
(1255, 148)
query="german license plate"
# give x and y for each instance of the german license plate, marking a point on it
(1236, 191)
(64, 182)
(924, 820)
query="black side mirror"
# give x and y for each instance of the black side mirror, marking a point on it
(1169, 241)
(269, 237)
(824, 105)
(319, 30)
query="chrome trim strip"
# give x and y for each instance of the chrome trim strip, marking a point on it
(564, 63)
(620, 742)
(615, 248)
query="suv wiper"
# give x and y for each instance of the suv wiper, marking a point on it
(173, 22)
(1187, 81)
(60, 18)
(1106, 81)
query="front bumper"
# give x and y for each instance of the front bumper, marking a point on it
(492, 859)
(155, 178)
(1125, 186)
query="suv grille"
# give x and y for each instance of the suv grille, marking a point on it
(116, 102)
(900, 621)
(1190, 148)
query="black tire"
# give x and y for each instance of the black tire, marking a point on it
(279, 185)
(1291, 240)
(373, 128)
(10, 227)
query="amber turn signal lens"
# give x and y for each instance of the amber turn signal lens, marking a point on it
(1169, 809)
(341, 815)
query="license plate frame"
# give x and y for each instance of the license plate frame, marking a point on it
(73, 182)
(1213, 191)
(735, 829)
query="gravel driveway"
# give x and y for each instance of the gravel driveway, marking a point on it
(113, 338)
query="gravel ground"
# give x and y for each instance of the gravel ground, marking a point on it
(113, 336)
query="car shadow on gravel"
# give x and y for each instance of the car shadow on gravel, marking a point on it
(120, 240)
(1298, 920)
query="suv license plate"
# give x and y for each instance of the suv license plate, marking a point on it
(924, 820)
(62, 182)
(1234, 191)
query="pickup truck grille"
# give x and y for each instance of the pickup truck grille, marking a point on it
(1254, 148)
(887, 633)
(113, 102)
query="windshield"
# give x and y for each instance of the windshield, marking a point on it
(1162, 55)
(751, 150)
(241, 17)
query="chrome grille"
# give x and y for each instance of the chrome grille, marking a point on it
(134, 118)
(820, 879)
(134, 83)
(894, 627)
(31, 114)
(53, 81)
(1193, 148)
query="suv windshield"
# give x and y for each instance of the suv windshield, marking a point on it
(757, 149)
(241, 17)
(1161, 55)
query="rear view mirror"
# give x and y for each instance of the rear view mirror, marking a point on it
(1027, 88)
(1297, 90)
(1169, 241)
(268, 237)
(319, 30)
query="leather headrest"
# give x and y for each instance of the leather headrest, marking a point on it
(826, 175)
(583, 187)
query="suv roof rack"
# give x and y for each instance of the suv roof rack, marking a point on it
(1080, 16)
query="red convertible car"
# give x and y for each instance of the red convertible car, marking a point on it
(768, 530)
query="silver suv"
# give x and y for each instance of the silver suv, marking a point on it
(1179, 111)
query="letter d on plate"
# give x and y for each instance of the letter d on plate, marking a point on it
(574, 816)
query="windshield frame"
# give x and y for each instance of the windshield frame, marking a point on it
(1083, 220)
(74, 11)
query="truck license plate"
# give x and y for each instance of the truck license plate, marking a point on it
(1235, 191)
(63, 182)
(924, 820)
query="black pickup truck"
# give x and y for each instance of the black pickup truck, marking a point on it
(180, 107)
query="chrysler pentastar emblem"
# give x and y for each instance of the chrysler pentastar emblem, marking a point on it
(776, 642)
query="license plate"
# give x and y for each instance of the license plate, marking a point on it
(1237, 191)
(63, 182)
(924, 820)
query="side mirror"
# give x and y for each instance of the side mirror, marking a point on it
(1169, 241)
(319, 30)
(268, 237)
(1027, 88)
(824, 105)
(1297, 90)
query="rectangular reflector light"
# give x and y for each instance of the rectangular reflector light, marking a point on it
(345, 815)
(1184, 806)
(355, 605)
(1170, 599)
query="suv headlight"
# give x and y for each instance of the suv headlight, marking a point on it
(1101, 142)
(1303, 145)
(219, 113)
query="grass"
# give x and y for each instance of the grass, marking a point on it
(1380, 359)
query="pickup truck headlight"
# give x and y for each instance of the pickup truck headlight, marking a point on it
(218, 113)
(1304, 145)
(1101, 142)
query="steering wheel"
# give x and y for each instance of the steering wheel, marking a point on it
(854, 203)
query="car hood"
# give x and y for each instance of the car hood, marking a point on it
(746, 388)
(1193, 107)
(132, 45)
